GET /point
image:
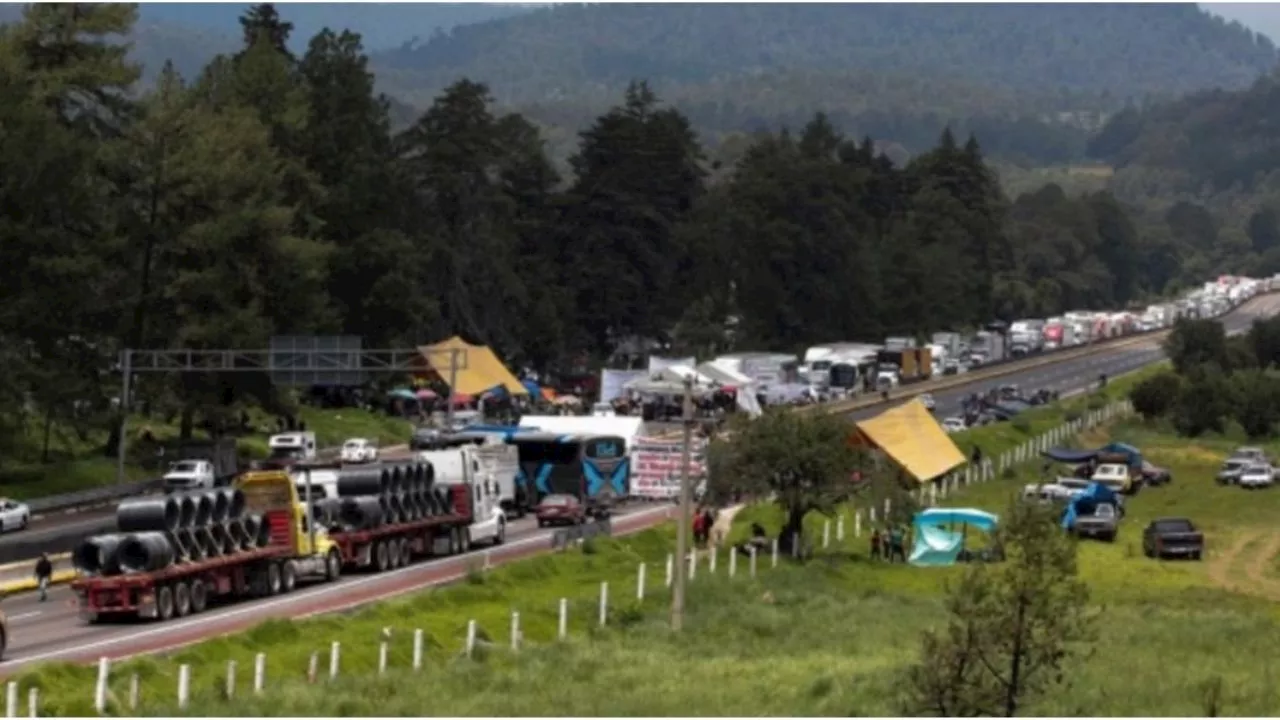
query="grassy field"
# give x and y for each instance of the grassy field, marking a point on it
(78, 464)
(831, 637)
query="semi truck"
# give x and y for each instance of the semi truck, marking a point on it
(296, 550)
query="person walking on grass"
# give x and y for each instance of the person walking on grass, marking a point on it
(875, 543)
(44, 571)
(700, 528)
(896, 549)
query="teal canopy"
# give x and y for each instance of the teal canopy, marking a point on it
(937, 544)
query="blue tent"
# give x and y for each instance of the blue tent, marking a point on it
(532, 387)
(938, 546)
(402, 394)
(1070, 456)
(1086, 502)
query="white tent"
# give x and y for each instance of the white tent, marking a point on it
(625, 427)
(670, 381)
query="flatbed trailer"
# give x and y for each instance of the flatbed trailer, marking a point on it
(188, 588)
(392, 546)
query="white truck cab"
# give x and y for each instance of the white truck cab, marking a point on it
(1115, 476)
(293, 446)
(496, 463)
(189, 475)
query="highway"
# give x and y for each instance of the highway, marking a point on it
(53, 630)
(1080, 373)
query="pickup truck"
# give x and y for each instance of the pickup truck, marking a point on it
(1103, 524)
(205, 465)
(1177, 537)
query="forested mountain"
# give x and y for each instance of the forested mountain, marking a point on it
(1025, 77)
(268, 195)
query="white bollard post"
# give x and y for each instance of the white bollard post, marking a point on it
(753, 561)
(564, 618)
(733, 562)
(888, 508)
(773, 554)
(11, 700)
(488, 565)
(259, 672)
(134, 692)
(231, 679)
(100, 689)
(826, 534)
(515, 631)
(33, 702)
(840, 528)
(382, 658)
(711, 561)
(933, 494)
(670, 568)
(640, 582)
(184, 685)
(417, 650)
(471, 638)
(604, 603)
(857, 523)
(335, 658)
(313, 668)
(871, 514)
(693, 564)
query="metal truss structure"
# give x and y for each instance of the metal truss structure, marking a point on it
(275, 361)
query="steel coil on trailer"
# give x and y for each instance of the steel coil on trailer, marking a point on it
(326, 511)
(419, 500)
(97, 555)
(262, 536)
(148, 514)
(444, 504)
(362, 481)
(409, 508)
(235, 503)
(204, 509)
(223, 539)
(249, 525)
(186, 510)
(210, 547)
(220, 506)
(362, 512)
(145, 552)
(185, 545)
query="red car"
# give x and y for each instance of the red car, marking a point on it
(560, 510)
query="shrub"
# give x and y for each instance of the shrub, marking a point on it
(1155, 396)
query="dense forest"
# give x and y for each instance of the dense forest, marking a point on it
(269, 195)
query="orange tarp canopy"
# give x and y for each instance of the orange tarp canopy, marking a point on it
(912, 438)
(479, 370)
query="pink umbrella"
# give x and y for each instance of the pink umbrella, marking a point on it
(425, 394)
(462, 399)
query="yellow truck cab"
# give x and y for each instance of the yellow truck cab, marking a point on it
(273, 495)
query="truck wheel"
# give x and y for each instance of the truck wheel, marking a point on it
(501, 537)
(164, 603)
(393, 554)
(4, 645)
(332, 566)
(181, 599)
(273, 579)
(288, 577)
(380, 557)
(406, 553)
(199, 596)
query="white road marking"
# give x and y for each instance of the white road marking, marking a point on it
(25, 615)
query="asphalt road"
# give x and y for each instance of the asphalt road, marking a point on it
(53, 630)
(1081, 373)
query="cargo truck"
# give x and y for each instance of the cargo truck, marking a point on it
(296, 549)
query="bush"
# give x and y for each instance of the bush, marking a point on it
(1203, 404)
(1154, 397)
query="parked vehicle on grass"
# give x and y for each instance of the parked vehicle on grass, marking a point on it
(1115, 476)
(1103, 524)
(359, 450)
(1172, 537)
(1231, 470)
(1154, 475)
(1256, 476)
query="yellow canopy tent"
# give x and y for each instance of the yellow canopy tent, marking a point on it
(912, 437)
(482, 369)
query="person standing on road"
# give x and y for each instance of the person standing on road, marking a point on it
(44, 571)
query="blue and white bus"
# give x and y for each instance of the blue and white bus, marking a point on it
(593, 468)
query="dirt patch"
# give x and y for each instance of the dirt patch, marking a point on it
(1245, 566)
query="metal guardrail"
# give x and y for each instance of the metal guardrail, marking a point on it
(107, 493)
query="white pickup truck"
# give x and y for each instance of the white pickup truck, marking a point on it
(190, 475)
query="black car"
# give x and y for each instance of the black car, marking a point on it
(1172, 537)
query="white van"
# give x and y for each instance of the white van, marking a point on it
(293, 446)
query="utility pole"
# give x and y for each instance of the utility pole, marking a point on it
(679, 574)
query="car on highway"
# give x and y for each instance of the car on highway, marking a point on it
(927, 400)
(954, 425)
(14, 515)
(560, 510)
(1257, 475)
(359, 450)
